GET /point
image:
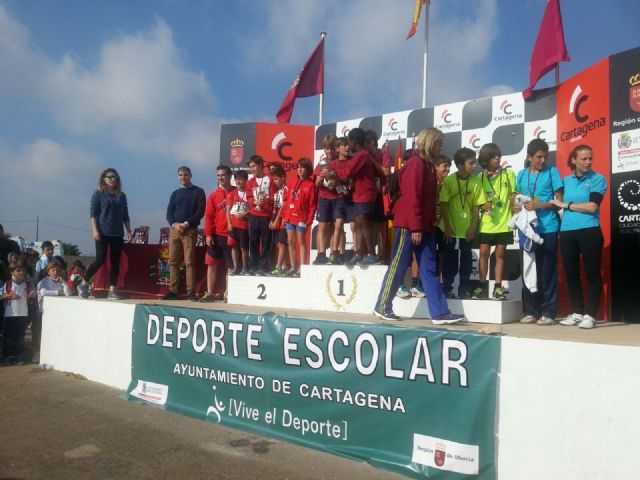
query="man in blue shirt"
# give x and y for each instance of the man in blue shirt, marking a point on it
(185, 210)
(542, 184)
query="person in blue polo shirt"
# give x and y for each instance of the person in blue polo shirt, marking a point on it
(581, 236)
(542, 183)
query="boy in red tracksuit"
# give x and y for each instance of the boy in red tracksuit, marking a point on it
(260, 191)
(276, 225)
(299, 209)
(216, 229)
(238, 224)
(360, 169)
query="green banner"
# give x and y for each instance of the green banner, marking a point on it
(415, 401)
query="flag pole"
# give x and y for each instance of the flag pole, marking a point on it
(322, 35)
(425, 56)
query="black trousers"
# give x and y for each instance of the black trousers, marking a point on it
(115, 246)
(585, 243)
(260, 239)
(15, 329)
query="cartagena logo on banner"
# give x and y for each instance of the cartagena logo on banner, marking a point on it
(349, 389)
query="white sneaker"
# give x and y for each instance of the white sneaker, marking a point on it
(571, 320)
(528, 319)
(587, 322)
(546, 321)
(403, 292)
(417, 292)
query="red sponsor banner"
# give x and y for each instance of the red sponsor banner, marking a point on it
(285, 144)
(583, 118)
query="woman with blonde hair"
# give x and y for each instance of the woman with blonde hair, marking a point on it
(414, 213)
(109, 212)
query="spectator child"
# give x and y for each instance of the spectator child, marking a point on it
(238, 225)
(53, 285)
(346, 214)
(76, 274)
(381, 170)
(17, 292)
(45, 258)
(300, 207)
(498, 185)
(277, 225)
(460, 200)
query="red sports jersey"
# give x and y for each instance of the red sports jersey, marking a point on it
(262, 186)
(238, 203)
(300, 202)
(323, 190)
(360, 170)
(215, 214)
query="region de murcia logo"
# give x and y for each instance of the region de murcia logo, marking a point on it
(237, 151)
(629, 195)
(279, 144)
(440, 454)
(634, 92)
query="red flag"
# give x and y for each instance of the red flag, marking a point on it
(398, 163)
(416, 18)
(550, 48)
(309, 82)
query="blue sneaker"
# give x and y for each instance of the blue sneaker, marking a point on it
(369, 260)
(355, 260)
(386, 316)
(447, 319)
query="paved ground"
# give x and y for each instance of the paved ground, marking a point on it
(58, 426)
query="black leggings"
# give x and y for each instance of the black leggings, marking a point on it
(115, 246)
(586, 243)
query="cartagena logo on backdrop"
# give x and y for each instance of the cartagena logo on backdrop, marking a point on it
(345, 130)
(447, 120)
(280, 144)
(475, 142)
(393, 128)
(629, 199)
(507, 113)
(578, 108)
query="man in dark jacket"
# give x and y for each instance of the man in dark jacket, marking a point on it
(185, 210)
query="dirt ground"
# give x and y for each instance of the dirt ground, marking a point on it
(59, 426)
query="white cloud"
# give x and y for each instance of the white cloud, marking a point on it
(141, 94)
(50, 180)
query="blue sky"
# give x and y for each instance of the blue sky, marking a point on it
(143, 86)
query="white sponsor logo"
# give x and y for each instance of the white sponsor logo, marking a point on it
(445, 454)
(625, 148)
(151, 392)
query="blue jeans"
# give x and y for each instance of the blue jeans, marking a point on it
(544, 301)
(451, 268)
(403, 250)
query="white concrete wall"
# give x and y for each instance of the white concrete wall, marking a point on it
(568, 411)
(88, 337)
(565, 410)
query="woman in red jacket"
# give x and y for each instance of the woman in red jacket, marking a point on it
(413, 219)
(299, 209)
